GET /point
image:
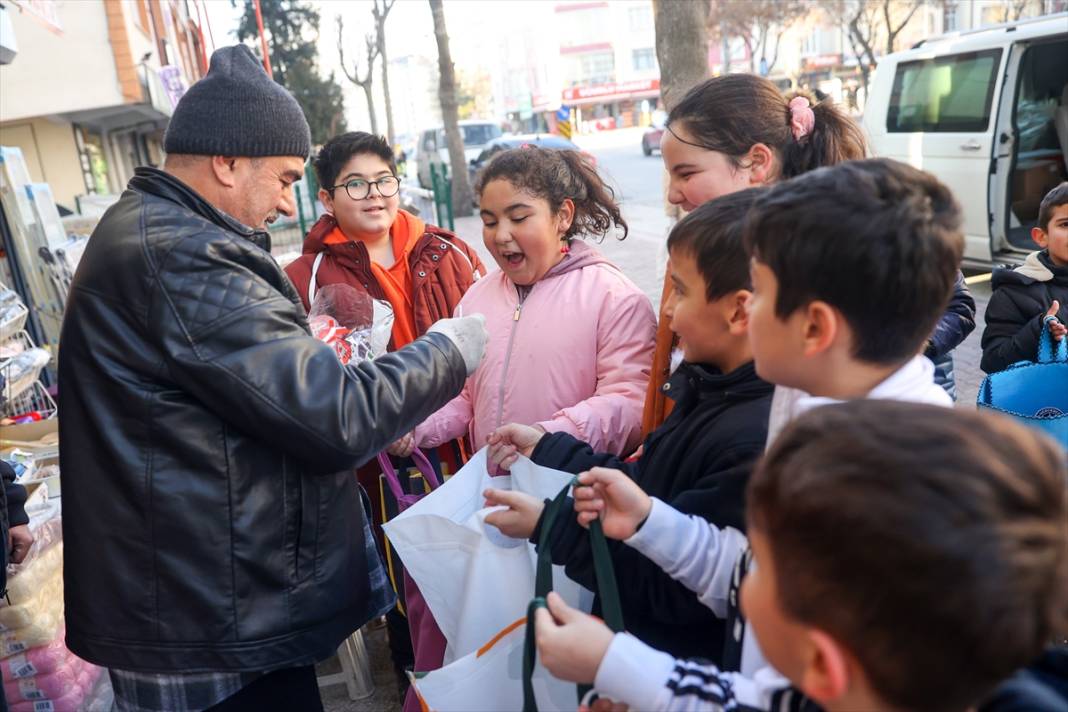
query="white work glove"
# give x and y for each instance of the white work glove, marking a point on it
(468, 333)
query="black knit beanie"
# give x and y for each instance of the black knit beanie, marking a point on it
(237, 110)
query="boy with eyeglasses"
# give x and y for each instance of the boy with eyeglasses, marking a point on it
(366, 241)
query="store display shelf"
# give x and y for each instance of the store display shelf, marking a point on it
(14, 318)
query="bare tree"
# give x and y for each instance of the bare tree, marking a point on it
(681, 47)
(758, 23)
(868, 21)
(367, 80)
(461, 186)
(381, 12)
(1015, 9)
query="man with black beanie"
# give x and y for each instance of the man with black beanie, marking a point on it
(215, 542)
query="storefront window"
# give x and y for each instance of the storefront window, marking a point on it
(94, 162)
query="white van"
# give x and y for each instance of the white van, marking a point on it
(987, 113)
(433, 147)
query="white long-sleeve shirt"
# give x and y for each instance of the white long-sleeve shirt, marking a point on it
(703, 558)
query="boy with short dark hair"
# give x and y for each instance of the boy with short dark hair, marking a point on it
(852, 268)
(699, 460)
(1034, 296)
(882, 579)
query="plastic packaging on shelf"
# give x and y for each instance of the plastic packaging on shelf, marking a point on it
(48, 686)
(23, 585)
(38, 661)
(46, 604)
(23, 369)
(76, 700)
(13, 313)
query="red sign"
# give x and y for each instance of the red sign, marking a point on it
(635, 87)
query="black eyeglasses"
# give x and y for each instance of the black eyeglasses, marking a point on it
(358, 188)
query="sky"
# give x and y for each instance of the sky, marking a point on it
(409, 30)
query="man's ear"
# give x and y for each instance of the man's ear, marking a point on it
(821, 327)
(225, 170)
(826, 674)
(761, 162)
(1040, 237)
(738, 312)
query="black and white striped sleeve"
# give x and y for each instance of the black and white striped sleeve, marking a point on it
(647, 679)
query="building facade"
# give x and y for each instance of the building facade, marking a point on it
(91, 87)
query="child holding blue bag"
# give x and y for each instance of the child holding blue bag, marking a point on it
(1031, 297)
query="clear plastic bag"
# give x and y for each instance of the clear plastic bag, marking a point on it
(356, 324)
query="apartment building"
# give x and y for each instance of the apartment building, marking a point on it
(91, 86)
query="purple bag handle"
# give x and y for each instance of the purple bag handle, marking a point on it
(421, 463)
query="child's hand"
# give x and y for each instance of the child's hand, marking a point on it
(603, 704)
(1057, 329)
(522, 515)
(508, 442)
(615, 498)
(573, 645)
(403, 447)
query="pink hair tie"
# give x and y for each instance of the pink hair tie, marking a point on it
(802, 119)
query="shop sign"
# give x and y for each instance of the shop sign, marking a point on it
(634, 87)
(823, 60)
(171, 78)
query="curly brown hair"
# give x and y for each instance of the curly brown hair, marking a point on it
(556, 176)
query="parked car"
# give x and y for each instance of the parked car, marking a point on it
(433, 147)
(651, 137)
(550, 141)
(986, 112)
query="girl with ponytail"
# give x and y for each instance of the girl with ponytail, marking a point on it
(735, 132)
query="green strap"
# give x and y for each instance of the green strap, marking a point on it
(543, 583)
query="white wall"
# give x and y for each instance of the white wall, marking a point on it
(56, 73)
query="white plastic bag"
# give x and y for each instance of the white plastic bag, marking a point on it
(476, 581)
(356, 324)
(491, 680)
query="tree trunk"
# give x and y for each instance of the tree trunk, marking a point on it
(385, 85)
(681, 47)
(461, 187)
(369, 94)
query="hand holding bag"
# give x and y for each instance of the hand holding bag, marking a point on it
(606, 587)
(1035, 393)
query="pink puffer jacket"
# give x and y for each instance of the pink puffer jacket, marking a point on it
(571, 353)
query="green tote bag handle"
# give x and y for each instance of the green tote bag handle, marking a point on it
(543, 583)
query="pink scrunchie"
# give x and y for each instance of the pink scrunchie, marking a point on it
(801, 117)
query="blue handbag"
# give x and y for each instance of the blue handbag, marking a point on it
(1033, 393)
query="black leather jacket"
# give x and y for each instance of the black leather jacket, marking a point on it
(211, 521)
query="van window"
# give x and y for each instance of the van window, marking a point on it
(944, 94)
(480, 134)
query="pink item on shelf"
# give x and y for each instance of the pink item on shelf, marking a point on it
(71, 702)
(38, 661)
(48, 686)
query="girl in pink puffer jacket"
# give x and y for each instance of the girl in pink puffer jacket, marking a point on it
(571, 337)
